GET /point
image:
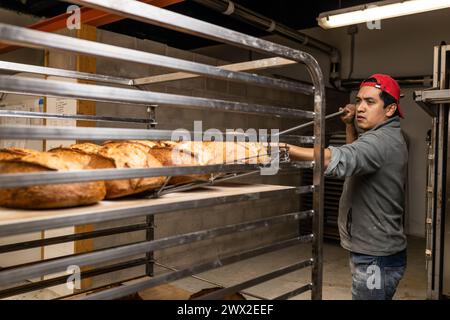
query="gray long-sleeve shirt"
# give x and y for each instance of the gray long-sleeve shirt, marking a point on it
(372, 203)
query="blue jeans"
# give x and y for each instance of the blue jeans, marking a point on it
(376, 277)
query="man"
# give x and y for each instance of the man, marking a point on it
(372, 203)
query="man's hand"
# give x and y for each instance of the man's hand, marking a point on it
(348, 116)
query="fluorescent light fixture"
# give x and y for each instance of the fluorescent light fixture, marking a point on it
(378, 11)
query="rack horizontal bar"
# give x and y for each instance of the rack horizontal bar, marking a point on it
(92, 133)
(295, 139)
(45, 115)
(295, 292)
(12, 180)
(85, 133)
(72, 237)
(28, 68)
(33, 286)
(52, 88)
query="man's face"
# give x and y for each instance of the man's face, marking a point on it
(370, 109)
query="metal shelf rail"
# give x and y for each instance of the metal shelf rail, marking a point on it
(126, 91)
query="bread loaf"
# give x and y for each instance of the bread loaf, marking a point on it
(130, 154)
(48, 196)
(229, 152)
(209, 153)
(89, 153)
(255, 152)
(87, 160)
(172, 157)
(14, 153)
(115, 154)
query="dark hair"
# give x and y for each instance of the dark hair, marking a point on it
(386, 97)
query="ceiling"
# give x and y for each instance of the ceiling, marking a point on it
(293, 13)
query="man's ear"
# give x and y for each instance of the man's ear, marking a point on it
(390, 110)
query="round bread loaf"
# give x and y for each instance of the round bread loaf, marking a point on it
(48, 196)
(217, 152)
(88, 154)
(172, 157)
(228, 152)
(130, 154)
(14, 153)
(87, 160)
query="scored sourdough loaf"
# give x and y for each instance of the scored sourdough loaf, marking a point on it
(228, 152)
(255, 152)
(171, 153)
(167, 153)
(87, 160)
(130, 154)
(198, 153)
(14, 153)
(52, 195)
(88, 153)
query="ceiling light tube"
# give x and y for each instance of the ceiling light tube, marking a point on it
(378, 11)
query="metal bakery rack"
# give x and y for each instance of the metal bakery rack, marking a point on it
(15, 222)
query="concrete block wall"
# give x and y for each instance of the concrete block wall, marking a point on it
(218, 216)
(118, 239)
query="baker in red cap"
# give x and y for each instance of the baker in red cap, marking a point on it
(371, 208)
(389, 94)
(386, 84)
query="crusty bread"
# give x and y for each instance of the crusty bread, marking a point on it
(130, 154)
(73, 155)
(114, 154)
(146, 143)
(192, 153)
(122, 154)
(48, 196)
(229, 152)
(168, 156)
(14, 153)
(87, 147)
(255, 152)
(87, 153)
(87, 161)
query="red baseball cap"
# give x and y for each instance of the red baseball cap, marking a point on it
(387, 84)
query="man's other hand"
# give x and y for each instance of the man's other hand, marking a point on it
(348, 116)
